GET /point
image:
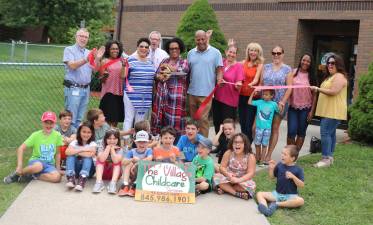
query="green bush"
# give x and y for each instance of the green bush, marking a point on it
(200, 16)
(360, 126)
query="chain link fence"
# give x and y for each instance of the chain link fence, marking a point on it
(27, 90)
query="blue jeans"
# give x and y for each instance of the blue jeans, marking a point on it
(247, 114)
(328, 129)
(76, 101)
(81, 166)
(297, 122)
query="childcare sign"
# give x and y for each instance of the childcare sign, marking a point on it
(165, 182)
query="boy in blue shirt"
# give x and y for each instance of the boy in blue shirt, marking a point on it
(290, 177)
(187, 143)
(266, 109)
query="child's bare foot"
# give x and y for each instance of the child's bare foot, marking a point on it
(219, 191)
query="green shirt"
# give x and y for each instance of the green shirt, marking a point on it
(44, 147)
(204, 167)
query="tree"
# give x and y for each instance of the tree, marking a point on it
(56, 16)
(360, 126)
(200, 16)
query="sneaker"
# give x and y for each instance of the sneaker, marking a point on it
(131, 192)
(123, 191)
(323, 163)
(11, 178)
(26, 178)
(70, 181)
(197, 193)
(98, 187)
(331, 159)
(112, 188)
(81, 183)
(272, 208)
(263, 209)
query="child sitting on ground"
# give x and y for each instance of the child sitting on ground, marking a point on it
(145, 125)
(265, 112)
(167, 152)
(187, 143)
(221, 141)
(44, 162)
(67, 131)
(130, 162)
(289, 178)
(83, 147)
(204, 167)
(108, 163)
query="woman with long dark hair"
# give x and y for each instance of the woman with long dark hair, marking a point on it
(302, 102)
(331, 106)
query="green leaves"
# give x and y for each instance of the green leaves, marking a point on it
(200, 16)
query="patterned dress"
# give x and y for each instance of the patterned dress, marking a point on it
(239, 168)
(275, 78)
(169, 104)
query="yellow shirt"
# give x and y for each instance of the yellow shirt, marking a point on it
(332, 106)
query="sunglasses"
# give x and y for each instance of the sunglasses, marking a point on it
(332, 63)
(144, 46)
(276, 53)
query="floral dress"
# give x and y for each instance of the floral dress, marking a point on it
(239, 168)
(169, 104)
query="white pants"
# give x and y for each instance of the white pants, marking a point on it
(131, 114)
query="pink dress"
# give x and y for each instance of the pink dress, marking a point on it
(239, 168)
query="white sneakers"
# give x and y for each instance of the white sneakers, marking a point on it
(325, 162)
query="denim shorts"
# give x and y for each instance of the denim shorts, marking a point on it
(283, 197)
(47, 167)
(262, 136)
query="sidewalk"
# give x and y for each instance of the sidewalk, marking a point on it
(43, 203)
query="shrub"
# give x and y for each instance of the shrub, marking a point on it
(200, 16)
(360, 126)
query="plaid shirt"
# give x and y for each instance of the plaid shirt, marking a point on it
(169, 104)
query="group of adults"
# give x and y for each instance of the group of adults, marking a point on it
(157, 81)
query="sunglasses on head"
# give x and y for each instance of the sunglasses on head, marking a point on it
(276, 53)
(331, 63)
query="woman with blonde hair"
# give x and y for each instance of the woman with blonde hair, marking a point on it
(252, 66)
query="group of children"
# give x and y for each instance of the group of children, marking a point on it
(95, 148)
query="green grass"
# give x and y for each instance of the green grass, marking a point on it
(26, 92)
(43, 53)
(342, 194)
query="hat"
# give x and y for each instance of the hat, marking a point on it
(51, 116)
(205, 142)
(142, 136)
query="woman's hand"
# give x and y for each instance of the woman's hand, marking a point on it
(281, 106)
(309, 116)
(238, 85)
(100, 52)
(314, 88)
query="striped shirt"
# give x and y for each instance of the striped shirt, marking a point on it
(140, 77)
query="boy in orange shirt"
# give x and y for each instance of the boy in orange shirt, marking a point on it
(166, 151)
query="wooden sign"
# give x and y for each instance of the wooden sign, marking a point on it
(165, 182)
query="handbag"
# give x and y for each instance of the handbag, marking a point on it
(315, 145)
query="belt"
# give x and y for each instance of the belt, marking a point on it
(69, 84)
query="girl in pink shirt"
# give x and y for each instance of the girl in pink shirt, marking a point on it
(302, 102)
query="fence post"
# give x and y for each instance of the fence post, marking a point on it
(25, 53)
(12, 51)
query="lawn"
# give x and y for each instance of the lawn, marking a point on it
(342, 194)
(27, 91)
(43, 53)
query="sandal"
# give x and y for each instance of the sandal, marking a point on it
(243, 195)
(219, 191)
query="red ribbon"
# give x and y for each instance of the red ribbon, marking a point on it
(198, 114)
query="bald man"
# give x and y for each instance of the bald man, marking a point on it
(206, 70)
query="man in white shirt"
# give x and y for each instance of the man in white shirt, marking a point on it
(156, 54)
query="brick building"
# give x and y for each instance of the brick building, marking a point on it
(315, 26)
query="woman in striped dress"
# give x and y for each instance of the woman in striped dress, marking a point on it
(137, 96)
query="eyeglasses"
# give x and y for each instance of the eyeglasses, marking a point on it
(172, 49)
(332, 63)
(276, 53)
(82, 36)
(144, 46)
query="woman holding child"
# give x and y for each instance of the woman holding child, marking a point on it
(237, 169)
(331, 106)
(277, 74)
(169, 105)
(112, 73)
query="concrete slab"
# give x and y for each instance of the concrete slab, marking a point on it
(43, 203)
